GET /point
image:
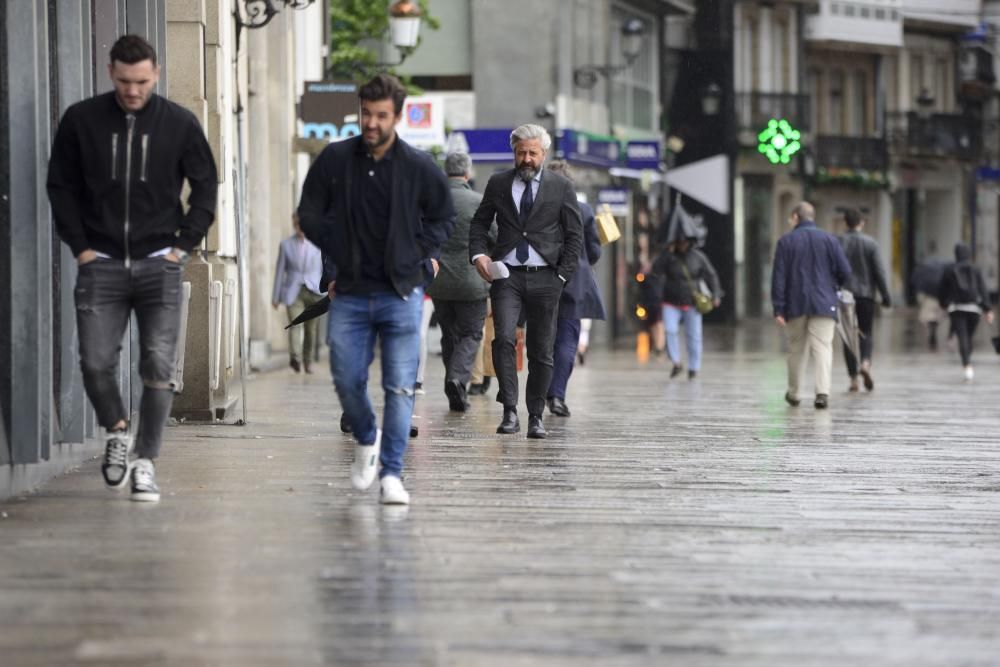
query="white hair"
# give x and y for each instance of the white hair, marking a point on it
(530, 131)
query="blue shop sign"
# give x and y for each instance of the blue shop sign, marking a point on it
(617, 199)
(482, 144)
(588, 149)
(642, 155)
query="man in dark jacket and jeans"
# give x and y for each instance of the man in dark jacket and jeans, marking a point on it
(379, 210)
(809, 267)
(867, 278)
(118, 163)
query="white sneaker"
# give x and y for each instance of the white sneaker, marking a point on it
(969, 374)
(393, 492)
(144, 488)
(365, 464)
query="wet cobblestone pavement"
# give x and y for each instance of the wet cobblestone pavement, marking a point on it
(666, 522)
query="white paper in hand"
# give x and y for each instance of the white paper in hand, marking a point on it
(498, 270)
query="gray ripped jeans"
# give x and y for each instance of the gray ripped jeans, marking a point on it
(106, 294)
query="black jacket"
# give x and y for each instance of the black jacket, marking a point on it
(677, 289)
(554, 227)
(118, 192)
(867, 274)
(421, 218)
(962, 282)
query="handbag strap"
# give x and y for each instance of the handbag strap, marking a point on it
(687, 274)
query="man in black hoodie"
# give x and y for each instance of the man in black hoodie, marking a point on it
(963, 294)
(118, 163)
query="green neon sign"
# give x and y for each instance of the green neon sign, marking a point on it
(779, 141)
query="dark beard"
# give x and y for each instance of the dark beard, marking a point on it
(526, 173)
(380, 141)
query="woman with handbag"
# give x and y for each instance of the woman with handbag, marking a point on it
(690, 290)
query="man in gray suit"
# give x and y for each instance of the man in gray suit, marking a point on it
(296, 285)
(539, 239)
(458, 292)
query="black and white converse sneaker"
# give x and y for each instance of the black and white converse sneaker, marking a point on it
(144, 488)
(116, 466)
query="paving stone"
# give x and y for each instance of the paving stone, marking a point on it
(666, 522)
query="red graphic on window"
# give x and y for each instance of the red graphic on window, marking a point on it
(418, 114)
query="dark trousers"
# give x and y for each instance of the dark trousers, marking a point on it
(536, 295)
(865, 309)
(106, 294)
(461, 325)
(963, 325)
(564, 353)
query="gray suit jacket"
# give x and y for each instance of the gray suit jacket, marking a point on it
(554, 227)
(458, 280)
(294, 271)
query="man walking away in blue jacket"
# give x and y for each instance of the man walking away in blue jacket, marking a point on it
(809, 267)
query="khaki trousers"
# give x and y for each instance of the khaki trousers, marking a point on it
(302, 337)
(807, 336)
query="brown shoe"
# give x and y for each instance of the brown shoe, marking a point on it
(854, 385)
(866, 374)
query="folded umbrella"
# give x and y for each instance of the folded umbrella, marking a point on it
(312, 311)
(847, 323)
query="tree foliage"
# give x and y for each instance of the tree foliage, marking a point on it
(357, 28)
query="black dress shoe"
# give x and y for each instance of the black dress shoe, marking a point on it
(535, 427)
(510, 423)
(821, 402)
(676, 370)
(558, 407)
(455, 391)
(345, 424)
(294, 363)
(480, 388)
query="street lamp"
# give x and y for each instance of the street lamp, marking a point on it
(711, 99)
(633, 31)
(404, 29)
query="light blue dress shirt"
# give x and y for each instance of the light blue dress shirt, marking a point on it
(516, 190)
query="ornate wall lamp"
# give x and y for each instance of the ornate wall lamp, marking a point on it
(633, 30)
(258, 13)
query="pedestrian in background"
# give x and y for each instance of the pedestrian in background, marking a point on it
(297, 286)
(385, 248)
(580, 299)
(963, 295)
(683, 269)
(809, 268)
(458, 292)
(926, 282)
(118, 164)
(867, 279)
(539, 240)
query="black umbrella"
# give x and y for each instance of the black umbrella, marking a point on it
(683, 225)
(312, 311)
(927, 276)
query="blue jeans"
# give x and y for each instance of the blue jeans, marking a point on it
(564, 356)
(354, 324)
(673, 317)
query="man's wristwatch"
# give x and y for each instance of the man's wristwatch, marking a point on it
(182, 255)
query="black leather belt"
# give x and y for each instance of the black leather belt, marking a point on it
(528, 269)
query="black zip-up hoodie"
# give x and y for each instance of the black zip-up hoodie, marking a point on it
(115, 178)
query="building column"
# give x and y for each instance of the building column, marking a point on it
(199, 64)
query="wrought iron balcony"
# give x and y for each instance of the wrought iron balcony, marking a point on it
(861, 153)
(754, 110)
(938, 135)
